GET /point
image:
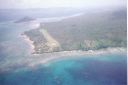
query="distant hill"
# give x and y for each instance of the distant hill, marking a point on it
(25, 19)
(91, 31)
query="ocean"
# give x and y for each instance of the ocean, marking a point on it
(90, 70)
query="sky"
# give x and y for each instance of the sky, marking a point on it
(60, 3)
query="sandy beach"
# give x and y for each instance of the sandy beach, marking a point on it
(45, 58)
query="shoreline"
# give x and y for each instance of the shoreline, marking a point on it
(33, 61)
(30, 43)
(34, 24)
(47, 58)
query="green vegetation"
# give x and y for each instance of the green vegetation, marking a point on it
(91, 31)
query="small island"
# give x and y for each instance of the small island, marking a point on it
(25, 19)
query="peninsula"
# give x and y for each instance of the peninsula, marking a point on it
(91, 31)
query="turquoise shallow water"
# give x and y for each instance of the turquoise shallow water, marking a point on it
(94, 70)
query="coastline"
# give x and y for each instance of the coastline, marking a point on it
(30, 43)
(33, 24)
(46, 58)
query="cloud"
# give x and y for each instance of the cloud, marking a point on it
(59, 3)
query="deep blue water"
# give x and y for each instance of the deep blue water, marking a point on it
(95, 70)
